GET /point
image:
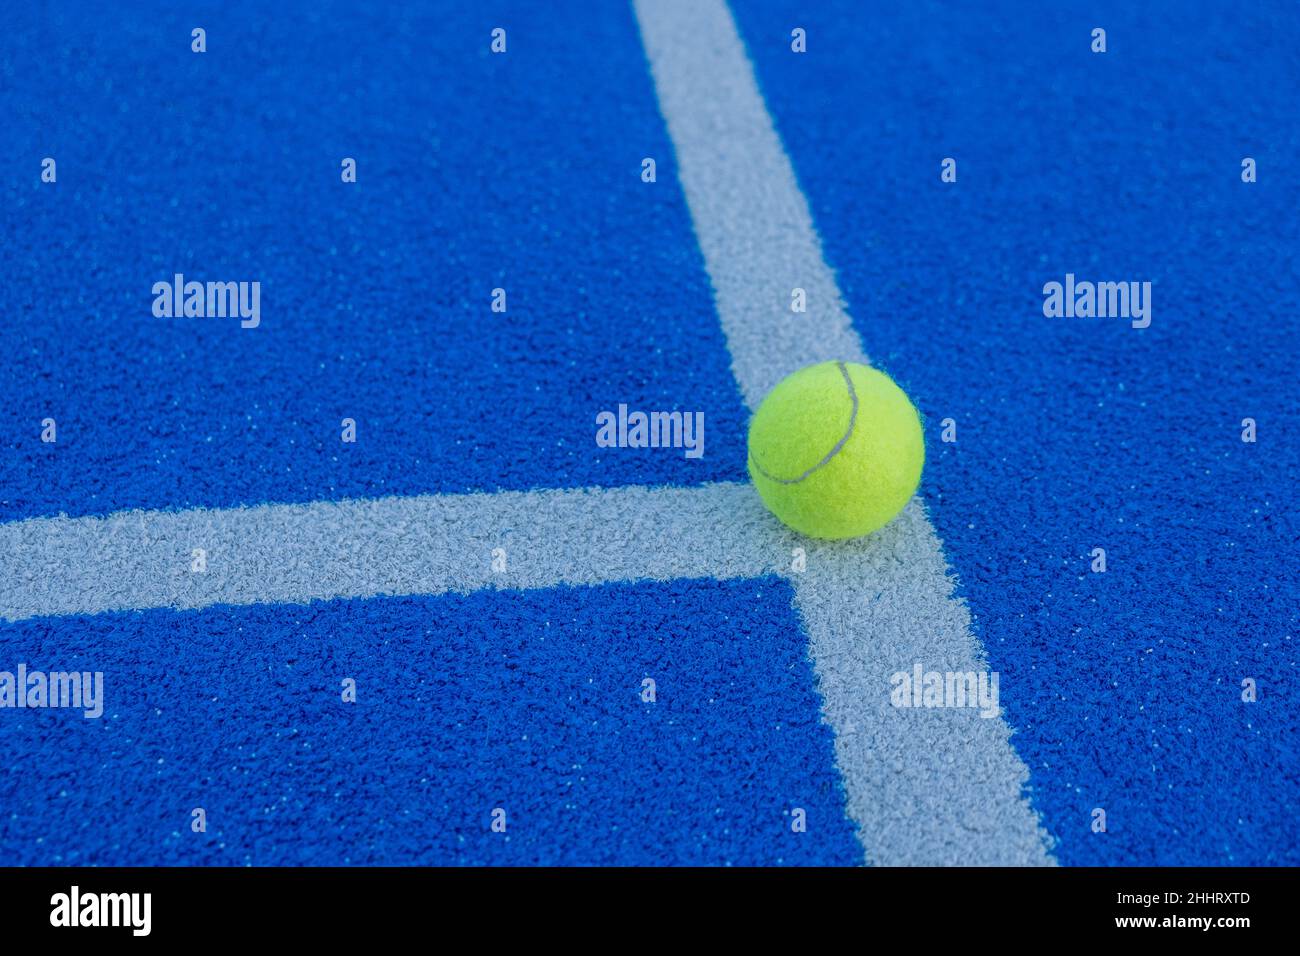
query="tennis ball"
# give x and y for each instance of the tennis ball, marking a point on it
(835, 450)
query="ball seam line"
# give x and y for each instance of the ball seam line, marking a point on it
(839, 445)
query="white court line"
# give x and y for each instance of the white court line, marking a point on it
(924, 786)
(426, 544)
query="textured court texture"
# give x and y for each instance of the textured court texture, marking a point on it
(521, 687)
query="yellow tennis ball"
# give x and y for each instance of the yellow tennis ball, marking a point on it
(836, 450)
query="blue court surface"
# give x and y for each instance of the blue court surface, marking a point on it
(362, 586)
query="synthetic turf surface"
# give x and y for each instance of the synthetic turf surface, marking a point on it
(474, 173)
(522, 172)
(529, 701)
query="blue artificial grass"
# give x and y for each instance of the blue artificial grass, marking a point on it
(526, 701)
(1124, 688)
(474, 172)
(523, 172)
